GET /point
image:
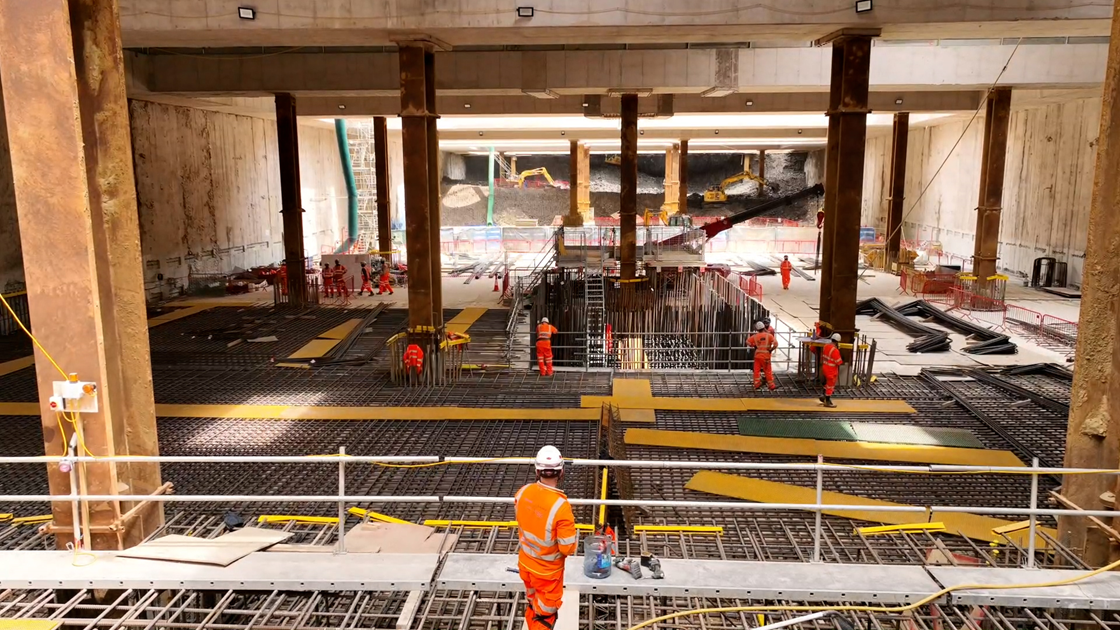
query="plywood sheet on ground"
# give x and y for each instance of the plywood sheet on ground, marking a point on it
(636, 387)
(463, 321)
(398, 538)
(965, 525)
(868, 451)
(339, 332)
(790, 405)
(221, 551)
(314, 349)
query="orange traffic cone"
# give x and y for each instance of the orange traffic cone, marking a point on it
(496, 289)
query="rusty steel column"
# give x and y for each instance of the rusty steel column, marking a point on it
(417, 190)
(381, 164)
(65, 107)
(848, 119)
(831, 160)
(682, 179)
(291, 198)
(573, 218)
(997, 120)
(897, 186)
(628, 193)
(1093, 435)
(435, 177)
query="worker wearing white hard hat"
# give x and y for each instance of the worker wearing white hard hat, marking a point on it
(547, 531)
(830, 367)
(545, 331)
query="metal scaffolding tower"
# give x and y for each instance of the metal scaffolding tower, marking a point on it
(365, 177)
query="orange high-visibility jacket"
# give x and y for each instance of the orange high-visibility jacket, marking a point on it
(548, 529)
(339, 272)
(831, 357)
(545, 332)
(787, 267)
(764, 343)
(413, 355)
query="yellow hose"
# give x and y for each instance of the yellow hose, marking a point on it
(883, 609)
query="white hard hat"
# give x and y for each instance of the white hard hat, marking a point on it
(836, 336)
(759, 326)
(549, 458)
(544, 320)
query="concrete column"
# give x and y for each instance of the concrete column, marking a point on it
(672, 171)
(762, 165)
(997, 119)
(573, 218)
(682, 178)
(62, 72)
(419, 203)
(291, 198)
(628, 182)
(381, 164)
(847, 133)
(584, 201)
(1093, 438)
(897, 186)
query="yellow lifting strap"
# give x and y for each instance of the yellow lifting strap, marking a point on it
(293, 518)
(904, 528)
(374, 516)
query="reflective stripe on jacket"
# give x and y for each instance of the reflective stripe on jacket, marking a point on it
(545, 332)
(831, 356)
(763, 342)
(547, 529)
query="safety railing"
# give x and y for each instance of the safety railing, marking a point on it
(280, 295)
(18, 302)
(857, 372)
(440, 362)
(78, 500)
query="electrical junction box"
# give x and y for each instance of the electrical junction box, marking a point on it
(74, 397)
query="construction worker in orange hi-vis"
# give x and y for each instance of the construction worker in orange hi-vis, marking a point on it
(787, 268)
(545, 331)
(413, 359)
(367, 280)
(340, 285)
(763, 343)
(328, 280)
(547, 536)
(282, 278)
(769, 328)
(830, 367)
(383, 285)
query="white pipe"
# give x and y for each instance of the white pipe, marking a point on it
(206, 459)
(796, 620)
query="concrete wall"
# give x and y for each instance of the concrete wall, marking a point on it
(208, 186)
(1051, 157)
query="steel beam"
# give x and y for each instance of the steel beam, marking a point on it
(573, 218)
(381, 164)
(628, 194)
(847, 133)
(682, 179)
(434, 178)
(997, 119)
(62, 73)
(417, 189)
(897, 186)
(291, 198)
(1093, 438)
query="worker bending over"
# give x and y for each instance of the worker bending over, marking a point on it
(763, 343)
(340, 284)
(413, 360)
(545, 331)
(830, 367)
(367, 279)
(787, 268)
(547, 536)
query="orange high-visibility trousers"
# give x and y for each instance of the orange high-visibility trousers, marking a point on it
(830, 376)
(544, 596)
(544, 357)
(761, 367)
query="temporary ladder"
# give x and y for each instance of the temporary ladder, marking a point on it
(595, 342)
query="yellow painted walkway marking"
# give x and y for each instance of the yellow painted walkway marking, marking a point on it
(793, 405)
(633, 387)
(178, 313)
(20, 409)
(869, 451)
(759, 491)
(646, 416)
(314, 349)
(461, 322)
(29, 624)
(339, 332)
(16, 365)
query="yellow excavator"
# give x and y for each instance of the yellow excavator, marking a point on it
(718, 194)
(520, 178)
(614, 159)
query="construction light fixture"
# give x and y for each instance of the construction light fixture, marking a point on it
(341, 106)
(750, 103)
(467, 105)
(585, 104)
(715, 92)
(863, 6)
(480, 133)
(524, 12)
(563, 133)
(641, 132)
(717, 132)
(247, 13)
(897, 101)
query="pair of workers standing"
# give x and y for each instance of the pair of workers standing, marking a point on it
(764, 343)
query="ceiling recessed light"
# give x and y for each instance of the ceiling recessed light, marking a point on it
(585, 104)
(800, 131)
(480, 133)
(750, 103)
(467, 105)
(341, 106)
(563, 133)
(641, 132)
(524, 12)
(863, 6)
(247, 13)
(717, 132)
(897, 101)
